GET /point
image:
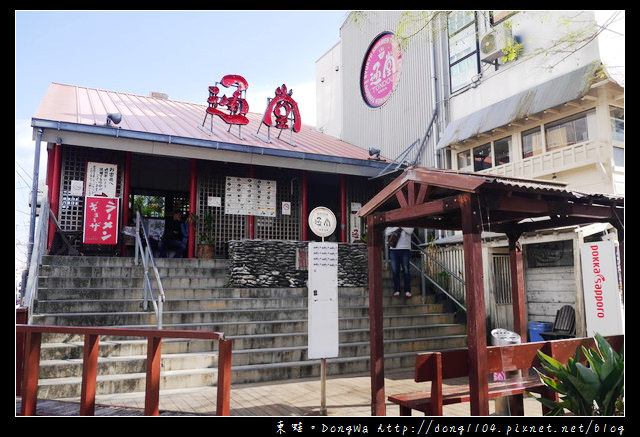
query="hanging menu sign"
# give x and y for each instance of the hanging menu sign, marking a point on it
(101, 179)
(100, 220)
(250, 196)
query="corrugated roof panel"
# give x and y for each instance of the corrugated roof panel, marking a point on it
(552, 93)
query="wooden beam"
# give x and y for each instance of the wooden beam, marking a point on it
(423, 192)
(423, 210)
(375, 229)
(476, 317)
(402, 199)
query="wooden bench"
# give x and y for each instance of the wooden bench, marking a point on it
(435, 367)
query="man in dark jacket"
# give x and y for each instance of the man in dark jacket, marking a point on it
(174, 238)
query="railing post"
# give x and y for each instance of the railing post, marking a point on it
(31, 374)
(152, 390)
(223, 402)
(89, 375)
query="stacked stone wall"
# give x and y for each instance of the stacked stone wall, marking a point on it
(279, 263)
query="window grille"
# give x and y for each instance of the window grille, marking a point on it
(502, 279)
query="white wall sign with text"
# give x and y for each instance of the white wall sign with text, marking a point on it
(323, 300)
(602, 297)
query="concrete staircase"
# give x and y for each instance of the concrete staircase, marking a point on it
(268, 326)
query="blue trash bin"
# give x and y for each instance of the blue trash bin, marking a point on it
(535, 328)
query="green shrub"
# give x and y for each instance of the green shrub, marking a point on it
(596, 389)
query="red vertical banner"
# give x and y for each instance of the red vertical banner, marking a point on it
(100, 220)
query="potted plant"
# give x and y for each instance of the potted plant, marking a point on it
(205, 238)
(593, 390)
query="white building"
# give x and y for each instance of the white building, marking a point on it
(526, 94)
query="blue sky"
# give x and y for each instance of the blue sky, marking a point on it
(179, 53)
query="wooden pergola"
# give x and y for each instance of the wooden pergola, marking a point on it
(472, 203)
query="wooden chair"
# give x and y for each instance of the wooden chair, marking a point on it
(564, 326)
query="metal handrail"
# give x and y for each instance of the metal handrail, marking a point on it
(148, 261)
(424, 276)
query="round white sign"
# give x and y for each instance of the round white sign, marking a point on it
(322, 221)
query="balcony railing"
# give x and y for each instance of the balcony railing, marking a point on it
(553, 161)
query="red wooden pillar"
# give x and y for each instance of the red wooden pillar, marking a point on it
(152, 389)
(305, 205)
(89, 375)
(223, 403)
(476, 318)
(252, 218)
(126, 191)
(517, 286)
(376, 339)
(343, 208)
(54, 190)
(193, 199)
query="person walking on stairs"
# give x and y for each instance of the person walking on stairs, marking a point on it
(399, 240)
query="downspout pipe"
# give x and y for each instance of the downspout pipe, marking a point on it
(34, 202)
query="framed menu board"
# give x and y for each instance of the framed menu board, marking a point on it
(250, 196)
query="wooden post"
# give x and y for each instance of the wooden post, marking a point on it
(305, 206)
(152, 389)
(476, 318)
(517, 286)
(223, 402)
(31, 374)
(344, 215)
(193, 199)
(54, 191)
(126, 192)
(374, 251)
(89, 375)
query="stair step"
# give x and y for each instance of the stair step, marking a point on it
(268, 326)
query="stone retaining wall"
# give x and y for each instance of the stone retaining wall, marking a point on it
(277, 263)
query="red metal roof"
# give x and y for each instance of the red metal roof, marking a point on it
(89, 106)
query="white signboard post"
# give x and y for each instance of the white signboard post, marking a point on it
(323, 294)
(602, 298)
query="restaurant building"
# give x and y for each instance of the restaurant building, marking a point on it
(243, 175)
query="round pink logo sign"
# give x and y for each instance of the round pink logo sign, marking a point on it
(381, 70)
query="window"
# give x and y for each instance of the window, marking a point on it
(464, 160)
(570, 130)
(502, 150)
(482, 157)
(532, 142)
(617, 123)
(463, 48)
(618, 156)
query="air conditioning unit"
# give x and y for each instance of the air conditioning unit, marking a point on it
(492, 43)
